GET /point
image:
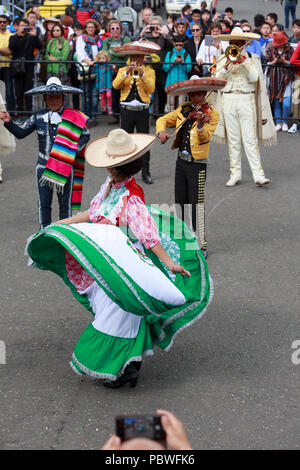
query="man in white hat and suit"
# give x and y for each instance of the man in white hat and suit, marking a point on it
(245, 113)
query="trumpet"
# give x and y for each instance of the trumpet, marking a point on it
(233, 52)
(135, 72)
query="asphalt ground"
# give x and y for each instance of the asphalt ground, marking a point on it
(230, 378)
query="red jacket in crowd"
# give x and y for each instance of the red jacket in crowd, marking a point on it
(83, 14)
(295, 59)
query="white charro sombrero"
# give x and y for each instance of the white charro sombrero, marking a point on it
(196, 83)
(52, 87)
(137, 48)
(237, 34)
(117, 149)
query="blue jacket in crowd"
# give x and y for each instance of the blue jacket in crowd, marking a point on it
(255, 48)
(177, 73)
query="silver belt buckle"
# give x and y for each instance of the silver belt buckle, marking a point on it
(135, 108)
(188, 157)
(185, 156)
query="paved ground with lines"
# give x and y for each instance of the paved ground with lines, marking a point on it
(230, 378)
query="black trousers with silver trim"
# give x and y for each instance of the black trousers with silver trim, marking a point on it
(45, 196)
(189, 193)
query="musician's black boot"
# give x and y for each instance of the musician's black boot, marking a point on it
(146, 169)
(146, 176)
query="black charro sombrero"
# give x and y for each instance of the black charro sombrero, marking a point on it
(53, 86)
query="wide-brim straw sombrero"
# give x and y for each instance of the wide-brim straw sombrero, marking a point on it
(118, 148)
(196, 83)
(237, 34)
(137, 48)
(53, 87)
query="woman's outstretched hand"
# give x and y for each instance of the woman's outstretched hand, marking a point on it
(177, 268)
(168, 262)
(106, 221)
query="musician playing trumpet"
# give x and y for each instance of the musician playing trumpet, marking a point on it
(135, 69)
(245, 114)
(195, 122)
(136, 82)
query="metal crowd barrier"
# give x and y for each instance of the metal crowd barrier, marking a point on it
(91, 75)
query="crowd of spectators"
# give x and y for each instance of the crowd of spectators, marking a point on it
(78, 47)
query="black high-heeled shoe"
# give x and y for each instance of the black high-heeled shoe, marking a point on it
(130, 376)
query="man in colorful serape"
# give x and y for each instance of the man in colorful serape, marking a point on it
(62, 136)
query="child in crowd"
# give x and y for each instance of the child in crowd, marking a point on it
(295, 38)
(205, 20)
(254, 47)
(276, 28)
(265, 40)
(176, 71)
(104, 81)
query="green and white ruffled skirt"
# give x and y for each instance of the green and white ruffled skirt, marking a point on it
(135, 301)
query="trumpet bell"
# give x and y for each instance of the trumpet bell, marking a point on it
(233, 53)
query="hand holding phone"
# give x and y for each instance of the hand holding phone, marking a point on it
(164, 429)
(140, 426)
(209, 40)
(175, 432)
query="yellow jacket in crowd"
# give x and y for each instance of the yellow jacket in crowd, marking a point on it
(4, 41)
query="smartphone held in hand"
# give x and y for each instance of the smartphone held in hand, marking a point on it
(209, 40)
(140, 426)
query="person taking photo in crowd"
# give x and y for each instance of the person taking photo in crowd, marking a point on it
(23, 45)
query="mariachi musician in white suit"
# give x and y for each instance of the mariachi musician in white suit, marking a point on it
(245, 113)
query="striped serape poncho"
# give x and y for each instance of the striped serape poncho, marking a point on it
(65, 155)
